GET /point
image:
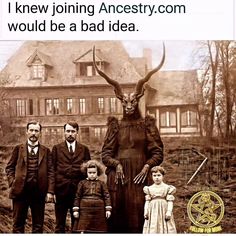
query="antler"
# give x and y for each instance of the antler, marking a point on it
(112, 82)
(139, 91)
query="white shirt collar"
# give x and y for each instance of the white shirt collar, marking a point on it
(33, 144)
(71, 144)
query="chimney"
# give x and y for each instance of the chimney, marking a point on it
(147, 54)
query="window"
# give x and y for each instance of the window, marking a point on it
(97, 132)
(86, 69)
(38, 71)
(82, 109)
(168, 119)
(52, 106)
(6, 109)
(30, 107)
(104, 130)
(100, 105)
(69, 106)
(113, 105)
(53, 134)
(172, 119)
(89, 70)
(84, 134)
(188, 118)
(20, 107)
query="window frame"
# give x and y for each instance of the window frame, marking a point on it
(54, 104)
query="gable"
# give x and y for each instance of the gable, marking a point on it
(87, 57)
(63, 55)
(39, 58)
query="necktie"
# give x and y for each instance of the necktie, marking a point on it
(71, 149)
(32, 152)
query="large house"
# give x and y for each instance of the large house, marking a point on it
(55, 81)
(173, 97)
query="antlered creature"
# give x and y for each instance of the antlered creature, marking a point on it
(131, 147)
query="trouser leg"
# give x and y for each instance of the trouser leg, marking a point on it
(61, 208)
(37, 211)
(20, 210)
(63, 204)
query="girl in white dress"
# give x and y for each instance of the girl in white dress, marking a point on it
(159, 205)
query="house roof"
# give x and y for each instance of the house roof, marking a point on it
(45, 59)
(173, 88)
(86, 57)
(61, 55)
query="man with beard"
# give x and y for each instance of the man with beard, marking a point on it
(30, 175)
(68, 157)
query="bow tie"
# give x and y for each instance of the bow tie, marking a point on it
(32, 147)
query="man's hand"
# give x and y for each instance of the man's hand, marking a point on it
(50, 198)
(140, 178)
(108, 214)
(119, 174)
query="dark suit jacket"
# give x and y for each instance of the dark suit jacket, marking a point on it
(68, 168)
(16, 170)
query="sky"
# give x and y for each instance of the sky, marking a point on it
(180, 55)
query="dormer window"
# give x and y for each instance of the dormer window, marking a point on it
(39, 64)
(86, 69)
(84, 64)
(38, 71)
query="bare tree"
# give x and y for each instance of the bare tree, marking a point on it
(5, 122)
(219, 87)
(214, 63)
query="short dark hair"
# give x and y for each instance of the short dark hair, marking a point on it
(160, 169)
(33, 122)
(73, 124)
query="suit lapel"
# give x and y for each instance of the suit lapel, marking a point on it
(41, 151)
(65, 150)
(24, 152)
(78, 150)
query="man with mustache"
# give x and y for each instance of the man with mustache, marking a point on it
(68, 157)
(30, 173)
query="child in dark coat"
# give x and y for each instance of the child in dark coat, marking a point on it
(92, 205)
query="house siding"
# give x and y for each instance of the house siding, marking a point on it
(64, 82)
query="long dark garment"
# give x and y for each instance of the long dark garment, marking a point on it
(131, 144)
(92, 217)
(92, 198)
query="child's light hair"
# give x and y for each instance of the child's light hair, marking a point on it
(160, 169)
(92, 164)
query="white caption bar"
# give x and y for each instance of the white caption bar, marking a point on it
(120, 19)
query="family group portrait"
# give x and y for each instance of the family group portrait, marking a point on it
(118, 136)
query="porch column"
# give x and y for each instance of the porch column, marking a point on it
(158, 119)
(178, 120)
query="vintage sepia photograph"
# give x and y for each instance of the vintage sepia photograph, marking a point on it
(118, 136)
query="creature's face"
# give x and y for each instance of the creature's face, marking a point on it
(130, 103)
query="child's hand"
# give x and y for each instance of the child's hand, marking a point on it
(76, 214)
(146, 216)
(108, 214)
(168, 215)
